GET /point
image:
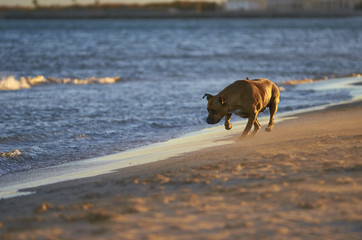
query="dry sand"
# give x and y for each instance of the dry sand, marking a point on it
(302, 181)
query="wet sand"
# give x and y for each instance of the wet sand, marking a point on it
(302, 181)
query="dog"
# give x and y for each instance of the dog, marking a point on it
(245, 98)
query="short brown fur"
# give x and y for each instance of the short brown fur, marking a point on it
(245, 98)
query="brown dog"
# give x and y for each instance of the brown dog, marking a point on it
(246, 98)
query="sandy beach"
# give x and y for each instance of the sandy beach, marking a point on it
(302, 181)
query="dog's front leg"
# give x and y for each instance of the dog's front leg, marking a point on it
(256, 126)
(227, 124)
(251, 121)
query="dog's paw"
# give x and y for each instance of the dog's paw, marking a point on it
(268, 129)
(228, 127)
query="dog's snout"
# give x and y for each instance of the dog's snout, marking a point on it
(210, 120)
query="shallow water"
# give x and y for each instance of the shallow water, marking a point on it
(165, 68)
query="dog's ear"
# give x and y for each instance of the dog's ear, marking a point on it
(208, 96)
(247, 78)
(222, 100)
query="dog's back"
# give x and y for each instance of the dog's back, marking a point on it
(268, 91)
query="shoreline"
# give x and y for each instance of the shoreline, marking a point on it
(114, 14)
(15, 184)
(300, 181)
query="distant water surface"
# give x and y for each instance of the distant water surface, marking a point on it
(165, 67)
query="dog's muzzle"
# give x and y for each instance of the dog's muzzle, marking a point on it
(209, 120)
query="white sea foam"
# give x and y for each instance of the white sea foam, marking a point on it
(12, 154)
(90, 80)
(310, 80)
(10, 83)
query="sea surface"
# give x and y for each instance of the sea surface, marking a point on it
(76, 89)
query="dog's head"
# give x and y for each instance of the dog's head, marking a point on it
(217, 108)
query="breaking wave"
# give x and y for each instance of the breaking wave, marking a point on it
(310, 80)
(10, 83)
(12, 154)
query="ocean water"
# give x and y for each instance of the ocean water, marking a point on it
(75, 89)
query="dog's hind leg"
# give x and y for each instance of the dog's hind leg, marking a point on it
(273, 109)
